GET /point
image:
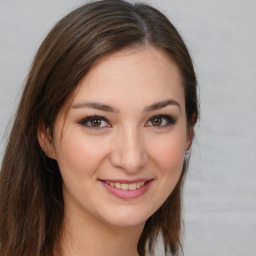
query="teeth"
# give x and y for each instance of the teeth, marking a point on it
(132, 186)
(125, 186)
(118, 185)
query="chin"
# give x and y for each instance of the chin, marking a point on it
(127, 217)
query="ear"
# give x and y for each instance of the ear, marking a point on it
(190, 135)
(46, 141)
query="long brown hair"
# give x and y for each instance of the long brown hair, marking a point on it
(31, 202)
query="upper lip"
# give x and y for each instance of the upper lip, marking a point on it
(126, 181)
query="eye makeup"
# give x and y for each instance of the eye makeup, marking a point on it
(99, 122)
(94, 122)
(160, 121)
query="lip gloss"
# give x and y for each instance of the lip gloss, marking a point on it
(127, 194)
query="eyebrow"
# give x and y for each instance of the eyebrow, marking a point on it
(107, 108)
(162, 104)
(95, 105)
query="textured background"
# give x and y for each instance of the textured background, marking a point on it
(220, 191)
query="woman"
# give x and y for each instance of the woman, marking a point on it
(98, 152)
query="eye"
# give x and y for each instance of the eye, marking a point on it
(161, 121)
(94, 122)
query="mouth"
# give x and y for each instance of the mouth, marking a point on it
(127, 189)
(126, 186)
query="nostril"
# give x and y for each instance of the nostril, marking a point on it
(128, 151)
(127, 161)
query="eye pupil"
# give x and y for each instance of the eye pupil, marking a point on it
(156, 121)
(95, 122)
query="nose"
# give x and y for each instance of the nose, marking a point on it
(128, 152)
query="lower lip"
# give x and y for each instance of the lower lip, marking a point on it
(127, 194)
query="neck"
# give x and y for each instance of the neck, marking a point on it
(87, 236)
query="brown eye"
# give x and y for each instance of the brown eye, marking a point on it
(95, 122)
(161, 121)
(156, 121)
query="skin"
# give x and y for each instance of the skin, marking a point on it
(128, 145)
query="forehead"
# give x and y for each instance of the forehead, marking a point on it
(131, 75)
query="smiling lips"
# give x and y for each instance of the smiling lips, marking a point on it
(126, 186)
(127, 189)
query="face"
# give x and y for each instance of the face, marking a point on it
(120, 146)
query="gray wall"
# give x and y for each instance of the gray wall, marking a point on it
(220, 191)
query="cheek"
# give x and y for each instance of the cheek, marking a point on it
(171, 159)
(168, 157)
(78, 156)
(170, 164)
(168, 152)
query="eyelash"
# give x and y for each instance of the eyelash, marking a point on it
(167, 118)
(86, 120)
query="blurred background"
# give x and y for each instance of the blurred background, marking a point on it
(220, 190)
